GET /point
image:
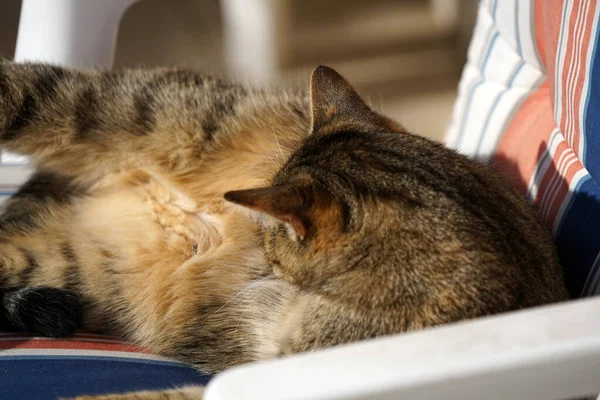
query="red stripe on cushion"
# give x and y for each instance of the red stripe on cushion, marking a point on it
(548, 18)
(573, 76)
(526, 139)
(37, 343)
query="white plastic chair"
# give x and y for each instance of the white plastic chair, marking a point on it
(82, 33)
(544, 353)
(548, 353)
(72, 33)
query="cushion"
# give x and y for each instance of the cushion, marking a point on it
(529, 104)
(38, 368)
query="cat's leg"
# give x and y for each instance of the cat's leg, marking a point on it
(87, 123)
(26, 237)
(25, 306)
(185, 393)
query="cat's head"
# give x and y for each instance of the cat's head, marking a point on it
(333, 207)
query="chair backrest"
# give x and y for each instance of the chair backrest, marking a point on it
(71, 33)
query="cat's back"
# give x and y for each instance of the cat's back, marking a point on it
(483, 234)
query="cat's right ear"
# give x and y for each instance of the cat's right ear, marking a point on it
(336, 105)
(332, 98)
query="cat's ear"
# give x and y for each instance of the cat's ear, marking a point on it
(290, 204)
(336, 105)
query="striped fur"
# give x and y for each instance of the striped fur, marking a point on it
(337, 225)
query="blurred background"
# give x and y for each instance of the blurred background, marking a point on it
(404, 56)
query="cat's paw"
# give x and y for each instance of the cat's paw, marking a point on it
(186, 393)
(42, 310)
(128, 396)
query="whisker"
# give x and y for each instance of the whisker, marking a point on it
(237, 326)
(241, 292)
(278, 146)
(273, 160)
(268, 154)
(235, 333)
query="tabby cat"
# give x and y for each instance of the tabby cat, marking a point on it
(221, 224)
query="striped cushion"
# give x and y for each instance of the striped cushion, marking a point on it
(38, 368)
(529, 102)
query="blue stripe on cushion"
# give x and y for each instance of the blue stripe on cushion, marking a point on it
(41, 378)
(577, 238)
(591, 114)
(517, 31)
(174, 364)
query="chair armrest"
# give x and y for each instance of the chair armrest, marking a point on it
(15, 175)
(545, 353)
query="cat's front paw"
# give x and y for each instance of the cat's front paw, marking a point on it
(127, 396)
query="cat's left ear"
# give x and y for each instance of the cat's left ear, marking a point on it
(336, 105)
(290, 204)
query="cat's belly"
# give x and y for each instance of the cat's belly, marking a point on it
(159, 264)
(147, 220)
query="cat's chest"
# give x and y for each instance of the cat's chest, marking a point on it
(202, 225)
(143, 214)
(199, 225)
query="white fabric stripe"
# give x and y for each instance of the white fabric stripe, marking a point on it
(503, 60)
(563, 207)
(505, 22)
(563, 39)
(542, 168)
(85, 353)
(481, 42)
(554, 187)
(573, 72)
(530, 51)
(480, 110)
(481, 74)
(468, 80)
(468, 77)
(472, 73)
(480, 115)
(586, 85)
(529, 78)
